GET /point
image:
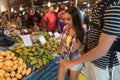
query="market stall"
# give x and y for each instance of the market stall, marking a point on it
(48, 72)
(37, 56)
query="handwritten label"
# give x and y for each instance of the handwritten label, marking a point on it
(42, 39)
(27, 40)
(50, 33)
(56, 34)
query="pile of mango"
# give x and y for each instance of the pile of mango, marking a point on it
(16, 37)
(12, 67)
(38, 54)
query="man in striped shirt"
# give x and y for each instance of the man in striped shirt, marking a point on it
(100, 41)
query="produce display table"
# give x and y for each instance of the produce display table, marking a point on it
(48, 72)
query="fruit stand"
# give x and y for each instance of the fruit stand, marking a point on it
(47, 72)
(35, 62)
(30, 58)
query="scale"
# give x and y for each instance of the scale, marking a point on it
(5, 40)
(4, 32)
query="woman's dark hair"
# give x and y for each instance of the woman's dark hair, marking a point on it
(77, 23)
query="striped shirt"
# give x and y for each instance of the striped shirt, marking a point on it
(111, 26)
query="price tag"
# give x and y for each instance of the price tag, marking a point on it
(50, 33)
(56, 34)
(42, 39)
(27, 40)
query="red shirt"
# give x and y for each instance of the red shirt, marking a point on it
(50, 18)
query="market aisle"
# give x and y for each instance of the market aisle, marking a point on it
(117, 71)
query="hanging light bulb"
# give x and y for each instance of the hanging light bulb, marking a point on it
(12, 9)
(66, 7)
(57, 8)
(20, 8)
(88, 5)
(49, 4)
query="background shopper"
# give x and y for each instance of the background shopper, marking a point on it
(50, 19)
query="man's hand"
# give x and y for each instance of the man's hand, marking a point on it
(64, 64)
(62, 50)
(76, 44)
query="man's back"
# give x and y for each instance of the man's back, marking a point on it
(50, 19)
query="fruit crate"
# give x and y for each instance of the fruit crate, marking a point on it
(47, 72)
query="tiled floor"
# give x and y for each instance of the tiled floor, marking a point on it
(116, 74)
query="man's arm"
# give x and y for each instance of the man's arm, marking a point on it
(99, 51)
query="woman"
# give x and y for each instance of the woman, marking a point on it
(73, 32)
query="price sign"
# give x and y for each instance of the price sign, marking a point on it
(27, 40)
(56, 34)
(50, 33)
(42, 39)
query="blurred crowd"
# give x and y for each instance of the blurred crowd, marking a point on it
(49, 21)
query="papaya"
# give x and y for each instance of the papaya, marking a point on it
(33, 49)
(31, 54)
(33, 62)
(44, 60)
(25, 53)
(38, 49)
(35, 53)
(26, 49)
(52, 58)
(18, 50)
(28, 71)
(12, 74)
(32, 58)
(37, 66)
(40, 62)
(24, 72)
(20, 46)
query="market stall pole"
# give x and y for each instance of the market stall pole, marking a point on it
(8, 9)
(32, 5)
(76, 2)
(73, 3)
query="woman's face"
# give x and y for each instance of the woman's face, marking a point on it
(68, 20)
